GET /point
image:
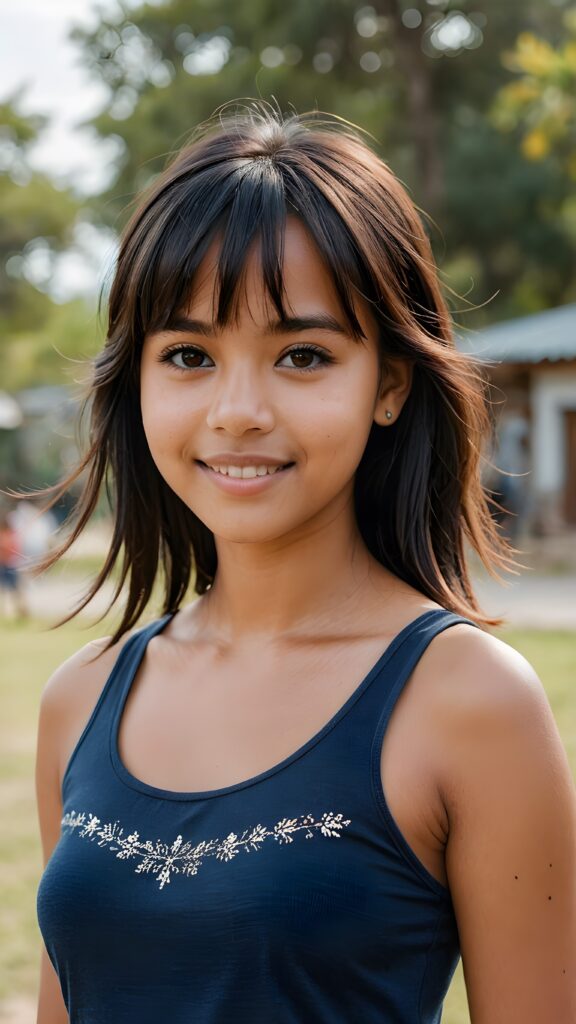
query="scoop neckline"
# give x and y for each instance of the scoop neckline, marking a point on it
(139, 785)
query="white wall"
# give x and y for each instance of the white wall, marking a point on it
(552, 391)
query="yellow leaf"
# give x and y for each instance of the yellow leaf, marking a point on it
(535, 145)
(532, 55)
(521, 92)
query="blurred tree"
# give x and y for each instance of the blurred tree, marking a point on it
(541, 103)
(420, 75)
(52, 352)
(36, 220)
(55, 350)
(171, 64)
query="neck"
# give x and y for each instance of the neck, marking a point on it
(294, 585)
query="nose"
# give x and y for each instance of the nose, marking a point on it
(239, 402)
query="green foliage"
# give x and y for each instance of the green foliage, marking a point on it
(481, 131)
(541, 103)
(55, 351)
(526, 261)
(33, 211)
(427, 103)
(17, 130)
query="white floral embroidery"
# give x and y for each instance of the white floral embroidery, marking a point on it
(181, 857)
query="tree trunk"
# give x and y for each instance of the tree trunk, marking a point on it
(423, 122)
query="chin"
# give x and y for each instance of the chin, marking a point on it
(251, 533)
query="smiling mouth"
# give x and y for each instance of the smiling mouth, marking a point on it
(246, 472)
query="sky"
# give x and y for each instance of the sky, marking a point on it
(36, 54)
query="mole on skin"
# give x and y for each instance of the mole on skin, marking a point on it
(516, 876)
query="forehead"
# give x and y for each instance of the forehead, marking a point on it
(308, 283)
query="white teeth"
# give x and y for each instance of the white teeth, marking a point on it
(246, 472)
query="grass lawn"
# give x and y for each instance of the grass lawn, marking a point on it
(29, 654)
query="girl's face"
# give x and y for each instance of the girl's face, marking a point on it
(296, 405)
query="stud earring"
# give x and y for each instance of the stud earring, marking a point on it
(388, 414)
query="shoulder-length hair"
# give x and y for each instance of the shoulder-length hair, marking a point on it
(418, 492)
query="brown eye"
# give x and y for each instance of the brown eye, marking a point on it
(302, 358)
(191, 357)
(185, 358)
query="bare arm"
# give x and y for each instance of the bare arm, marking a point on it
(51, 1008)
(511, 853)
(66, 704)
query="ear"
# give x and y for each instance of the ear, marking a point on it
(395, 384)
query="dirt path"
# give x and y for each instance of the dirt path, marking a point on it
(531, 601)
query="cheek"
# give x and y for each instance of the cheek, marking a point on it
(164, 417)
(335, 428)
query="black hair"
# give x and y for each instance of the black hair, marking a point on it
(418, 493)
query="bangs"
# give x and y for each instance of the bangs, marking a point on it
(240, 202)
(419, 501)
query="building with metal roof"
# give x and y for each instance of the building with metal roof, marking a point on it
(531, 365)
(549, 335)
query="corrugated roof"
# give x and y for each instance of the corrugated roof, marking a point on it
(529, 339)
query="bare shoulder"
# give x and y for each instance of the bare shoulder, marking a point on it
(479, 695)
(483, 685)
(510, 798)
(476, 672)
(80, 672)
(71, 693)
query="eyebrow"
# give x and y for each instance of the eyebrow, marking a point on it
(292, 325)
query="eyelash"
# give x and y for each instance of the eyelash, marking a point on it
(169, 353)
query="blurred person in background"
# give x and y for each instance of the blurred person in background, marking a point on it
(11, 585)
(35, 528)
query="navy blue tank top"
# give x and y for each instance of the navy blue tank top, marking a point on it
(288, 898)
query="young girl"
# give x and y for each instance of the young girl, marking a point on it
(300, 796)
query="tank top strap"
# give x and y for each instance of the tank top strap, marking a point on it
(124, 668)
(403, 655)
(130, 657)
(95, 734)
